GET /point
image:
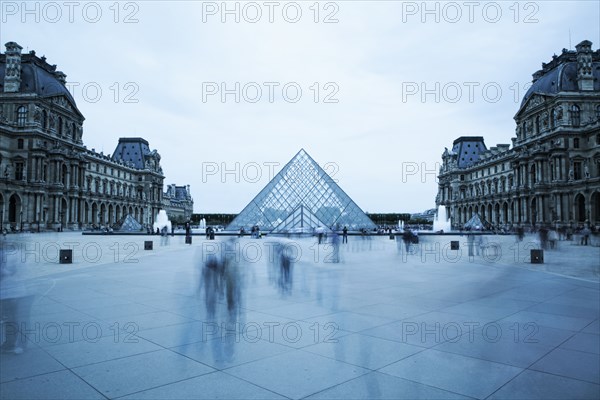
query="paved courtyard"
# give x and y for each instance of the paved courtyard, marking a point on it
(122, 322)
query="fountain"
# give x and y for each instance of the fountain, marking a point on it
(441, 221)
(202, 223)
(161, 221)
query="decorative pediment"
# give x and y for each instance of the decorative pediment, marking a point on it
(65, 103)
(533, 102)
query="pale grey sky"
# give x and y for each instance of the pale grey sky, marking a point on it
(385, 85)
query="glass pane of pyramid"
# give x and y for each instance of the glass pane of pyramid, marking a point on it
(301, 197)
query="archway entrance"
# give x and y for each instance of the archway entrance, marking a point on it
(14, 211)
(64, 213)
(595, 208)
(579, 208)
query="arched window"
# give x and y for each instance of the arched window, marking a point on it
(59, 130)
(575, 115)
(537, 125)
(21, 116)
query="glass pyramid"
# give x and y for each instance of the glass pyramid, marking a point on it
(299, 198)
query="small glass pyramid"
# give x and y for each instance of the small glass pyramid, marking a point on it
(301, 197)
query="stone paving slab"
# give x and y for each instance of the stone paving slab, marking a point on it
(380, 324)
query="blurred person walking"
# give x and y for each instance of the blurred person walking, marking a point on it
(15, 302)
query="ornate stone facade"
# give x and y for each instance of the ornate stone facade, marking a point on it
(178, 203)
(551, 174)
(50, 180)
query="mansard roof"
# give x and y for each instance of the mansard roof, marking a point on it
(560, 75)
(37, 76)
(134, 151)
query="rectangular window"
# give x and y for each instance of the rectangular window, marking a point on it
(577, 170)
(575, 116)
(575, 143)
(19, 171)
(21, 116)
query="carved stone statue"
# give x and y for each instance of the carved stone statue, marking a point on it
(52, 121)
(586, 170)
(37, 115)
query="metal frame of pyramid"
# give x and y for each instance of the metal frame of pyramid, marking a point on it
(302, 196)
(128, 224)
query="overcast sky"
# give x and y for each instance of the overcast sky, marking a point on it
(373, 91)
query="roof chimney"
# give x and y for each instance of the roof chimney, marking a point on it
(585, 77)
(12, 76)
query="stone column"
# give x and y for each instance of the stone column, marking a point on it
(542, 207)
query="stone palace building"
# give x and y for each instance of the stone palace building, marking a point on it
(551, 173)
(178, 203)
(49, 179)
